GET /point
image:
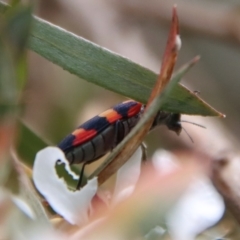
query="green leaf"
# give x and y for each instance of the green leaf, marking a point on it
(130, 143)
(14, 32)
(28, 143)
(107, 69)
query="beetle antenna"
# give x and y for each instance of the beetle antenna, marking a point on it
(188, 134)
(196, 124)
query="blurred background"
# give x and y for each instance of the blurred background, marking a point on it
(56, 102)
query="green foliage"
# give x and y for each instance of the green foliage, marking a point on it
(28, 143)
(107, 69)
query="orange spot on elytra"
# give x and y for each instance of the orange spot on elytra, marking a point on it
(134, 110)
(83, 135)
(111, 115)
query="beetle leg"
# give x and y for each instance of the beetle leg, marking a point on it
(144, 152)
(81, 176)
(117, 128)
(73, 158)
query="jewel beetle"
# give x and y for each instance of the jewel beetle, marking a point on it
(102, 133)
(99, 135)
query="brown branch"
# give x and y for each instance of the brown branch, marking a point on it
(123, 153)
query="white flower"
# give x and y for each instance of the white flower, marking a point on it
(164, 161)
(73, 206)
(127, 177)
(24, 207)
(198, 208)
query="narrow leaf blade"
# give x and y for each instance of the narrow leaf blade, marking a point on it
(107, 69)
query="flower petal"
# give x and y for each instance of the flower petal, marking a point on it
(73, 206)
(127, 177)
(164, 162)
(198, 209)
(24, 207)
(155, 233)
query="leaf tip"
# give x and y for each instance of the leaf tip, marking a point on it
(175, 18)
(197, 58)
(174, 11)
(194, 60)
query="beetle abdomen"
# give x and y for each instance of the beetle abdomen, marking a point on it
(102, 143)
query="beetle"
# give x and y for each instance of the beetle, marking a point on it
(102, 133)
(99, 135)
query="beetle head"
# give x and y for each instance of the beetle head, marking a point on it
(173, 122)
